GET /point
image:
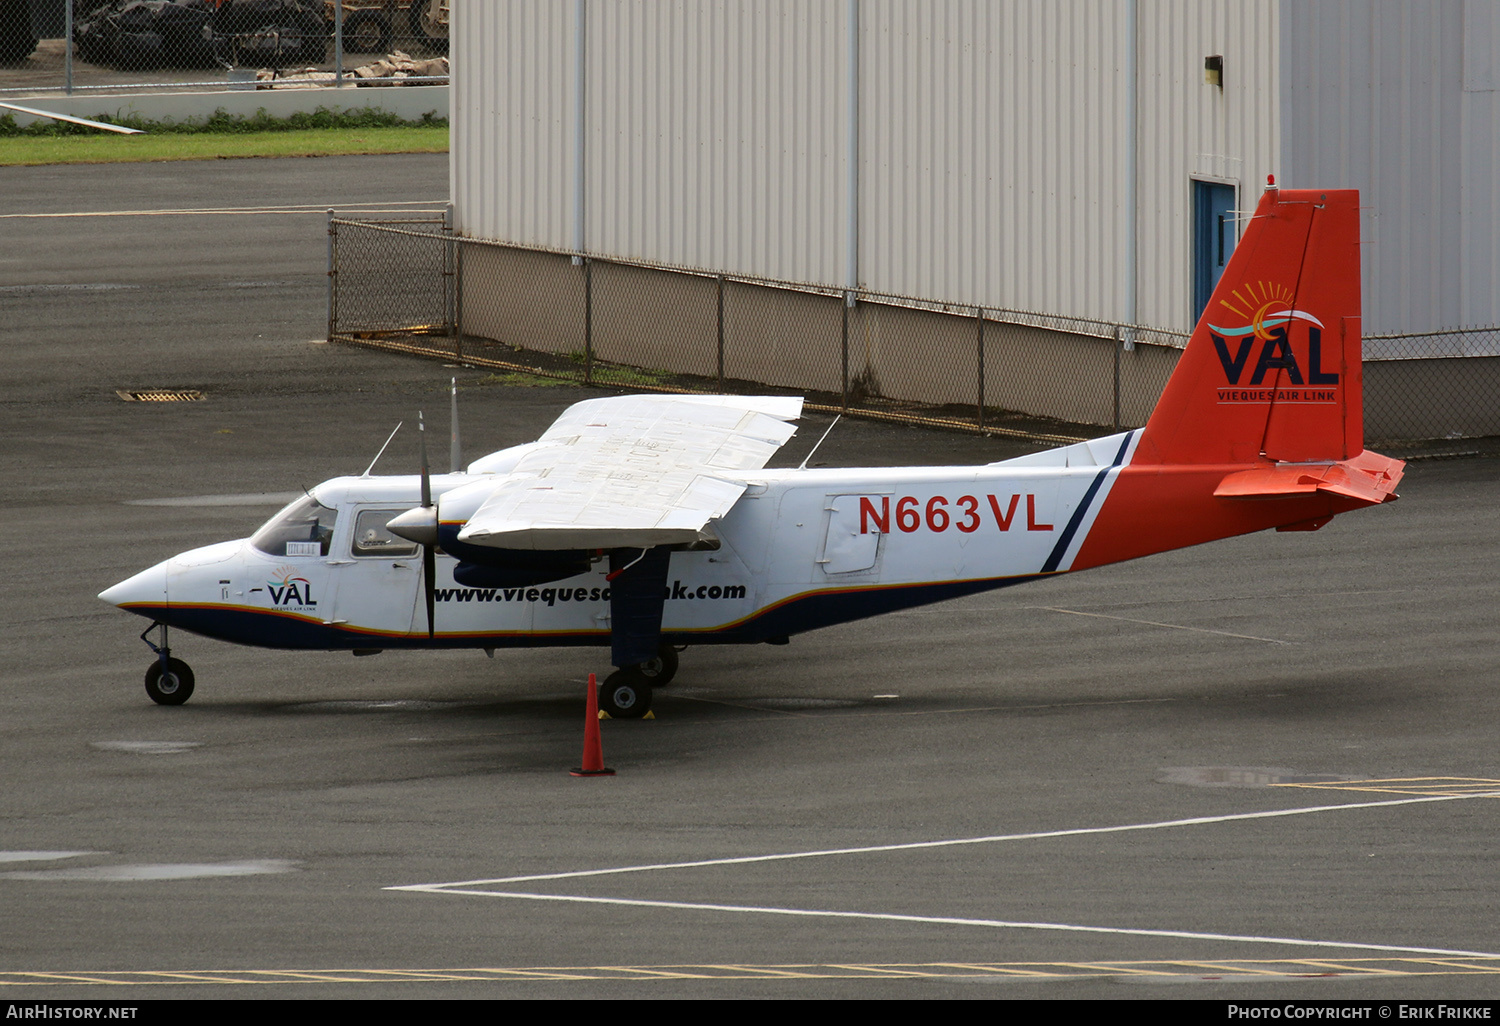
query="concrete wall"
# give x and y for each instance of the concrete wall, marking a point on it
(1413, 399)
(522, 298)
(669, 321)
(408, 102)
(897, 354)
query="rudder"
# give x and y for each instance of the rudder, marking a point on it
(1272, 370)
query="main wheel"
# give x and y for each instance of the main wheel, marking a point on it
(172, 686)
(660, 671)
(625, 695)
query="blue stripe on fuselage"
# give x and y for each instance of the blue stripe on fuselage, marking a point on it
(1066, 539)
(799, 614)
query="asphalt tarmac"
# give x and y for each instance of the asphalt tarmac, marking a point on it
(1257, 769)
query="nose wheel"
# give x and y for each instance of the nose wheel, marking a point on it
(171, 684)
(168, 681)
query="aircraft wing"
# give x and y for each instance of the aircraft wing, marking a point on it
(633, 472)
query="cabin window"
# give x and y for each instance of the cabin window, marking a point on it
(302, 529)
(372, 539)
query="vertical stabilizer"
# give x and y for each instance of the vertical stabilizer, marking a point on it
(1272, 371)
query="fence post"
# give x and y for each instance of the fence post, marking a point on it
(979, 316)
(458, 299)
(332, 273)
(338, 44)
(588, 321)
(721, 332)
(1119, 342)
(844, 346)
(448, 319)
(68, 48)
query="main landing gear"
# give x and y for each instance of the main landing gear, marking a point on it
(626, 693)
(168, 681)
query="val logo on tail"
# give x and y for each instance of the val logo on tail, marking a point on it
(649, 524)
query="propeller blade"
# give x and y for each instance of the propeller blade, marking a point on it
(455, 449)
(426, 477)
(429, 547)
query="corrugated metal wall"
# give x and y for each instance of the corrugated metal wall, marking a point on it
(992, 146)
(511, 121)
(1189, 129)
(1397, 99)
(713, 135)
(993, 143)
(999, 139)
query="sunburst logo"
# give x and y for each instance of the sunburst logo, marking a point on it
(289, 589)
(1263, 306)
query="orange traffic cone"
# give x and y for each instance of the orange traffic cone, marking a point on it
(593, 748)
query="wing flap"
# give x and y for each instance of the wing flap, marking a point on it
(634, 471)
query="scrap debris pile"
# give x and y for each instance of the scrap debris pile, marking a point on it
(385, 72)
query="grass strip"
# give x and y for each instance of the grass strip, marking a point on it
(318, 133)
(108, 148)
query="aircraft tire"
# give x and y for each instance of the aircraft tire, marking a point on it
(660, 671)
(367, 31)
(625, 695)
(173, 687)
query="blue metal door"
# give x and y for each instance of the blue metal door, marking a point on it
(1215, 232)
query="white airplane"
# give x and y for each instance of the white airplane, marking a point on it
(648, 523)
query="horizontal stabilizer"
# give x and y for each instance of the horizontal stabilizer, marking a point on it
(1368, 478)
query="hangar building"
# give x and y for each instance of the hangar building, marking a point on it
(1067, 176)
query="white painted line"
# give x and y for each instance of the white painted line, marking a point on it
(243, 499)
(146, 747)
(1174, 626)
(158, 871)
(954, 921)
(42, 856)
(402, 207)
(954, 842)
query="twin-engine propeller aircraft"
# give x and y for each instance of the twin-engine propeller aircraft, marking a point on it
(649, 523)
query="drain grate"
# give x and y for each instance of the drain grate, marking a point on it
(161, 395)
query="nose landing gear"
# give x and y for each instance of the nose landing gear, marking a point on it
(168, 681)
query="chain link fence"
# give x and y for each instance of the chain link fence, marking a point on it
(415, 287)
(73, 46)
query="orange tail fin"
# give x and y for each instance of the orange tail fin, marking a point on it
(1262, 423)
(1272, 370)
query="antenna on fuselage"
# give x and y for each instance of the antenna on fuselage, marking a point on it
(455, 450)
(820, 442)
(382, 450)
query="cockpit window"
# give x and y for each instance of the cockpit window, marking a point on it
(302, 529)
(372, 539)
